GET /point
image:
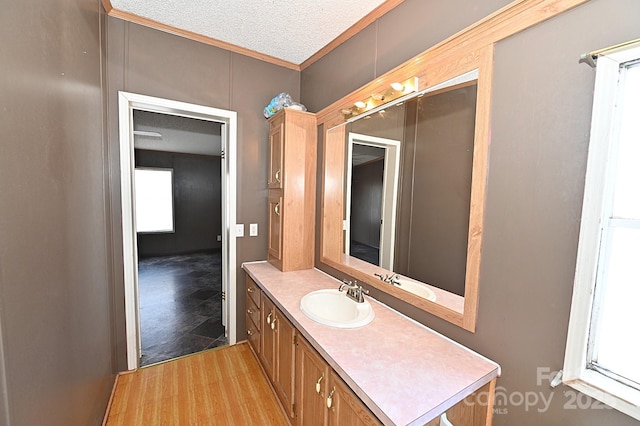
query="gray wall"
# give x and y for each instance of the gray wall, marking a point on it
(399, 35)
(438, 167)
(197, 205)
(55, 307)
(542, 99)
(150, 62)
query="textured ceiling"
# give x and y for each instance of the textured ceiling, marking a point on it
(291, 30)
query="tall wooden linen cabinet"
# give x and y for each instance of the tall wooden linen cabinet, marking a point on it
(292, 189)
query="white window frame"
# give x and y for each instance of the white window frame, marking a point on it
(173, 215)
(598, 189)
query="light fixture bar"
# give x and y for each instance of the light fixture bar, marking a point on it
(395, 91)
(144, 133)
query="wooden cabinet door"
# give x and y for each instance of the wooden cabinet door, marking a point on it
(470, 411)
(345, 409)
(284, 380)
(292, 189)
(267, 337)
(275, 225)
(312, 378)
(276, 153)
(277, 352)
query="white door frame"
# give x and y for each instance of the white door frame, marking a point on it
(127, 102)
(389, 193)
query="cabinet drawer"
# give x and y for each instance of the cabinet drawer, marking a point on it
(253, 292)
(253, 335)
(253, 313)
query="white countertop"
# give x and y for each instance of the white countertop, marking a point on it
(406, 373)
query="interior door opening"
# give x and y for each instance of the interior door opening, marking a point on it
(179, 260)
(178, 221)
(371, 198)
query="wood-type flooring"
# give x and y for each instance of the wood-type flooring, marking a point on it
(222, 386)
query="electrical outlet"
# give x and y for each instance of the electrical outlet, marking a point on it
(239, 230)
(253, 230)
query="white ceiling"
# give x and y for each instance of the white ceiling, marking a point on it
(291, 30)
(176, 134)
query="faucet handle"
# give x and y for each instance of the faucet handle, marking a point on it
(359, 293)
(395, 280)
(348, 284)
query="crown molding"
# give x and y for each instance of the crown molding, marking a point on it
(350, 32)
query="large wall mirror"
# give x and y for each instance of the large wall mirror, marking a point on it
(404, 187)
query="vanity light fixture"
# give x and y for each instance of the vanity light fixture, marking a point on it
(396, 90)
(148, 134)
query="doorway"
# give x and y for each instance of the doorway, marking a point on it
(178, 221)
(372, 182)
(199, 255)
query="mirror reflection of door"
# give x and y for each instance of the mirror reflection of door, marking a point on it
(434, 134)
(372, 178)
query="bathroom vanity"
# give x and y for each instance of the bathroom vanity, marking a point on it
(392, 371)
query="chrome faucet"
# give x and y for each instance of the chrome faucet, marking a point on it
(393, 279)
(354, 291)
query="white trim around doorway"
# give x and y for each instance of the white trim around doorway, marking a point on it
(127, 102)
(389, 193)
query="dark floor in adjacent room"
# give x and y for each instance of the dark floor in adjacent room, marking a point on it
(180, 305)
(365, 252)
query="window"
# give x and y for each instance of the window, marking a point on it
(603, 345)
(154, 200)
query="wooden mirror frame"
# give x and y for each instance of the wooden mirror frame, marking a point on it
(470, 49)
(456, 309)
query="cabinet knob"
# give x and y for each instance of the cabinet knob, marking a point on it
(250, 332)
(318, 383)
(277, 176)
(269, 317)
(273, 323)
(250, 311)
(250, 290)
(330, 398)
(276, 209)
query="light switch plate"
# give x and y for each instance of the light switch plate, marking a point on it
(253, 230)
(239, 230)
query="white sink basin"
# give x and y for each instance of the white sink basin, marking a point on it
(418, 289)
(333, 308)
